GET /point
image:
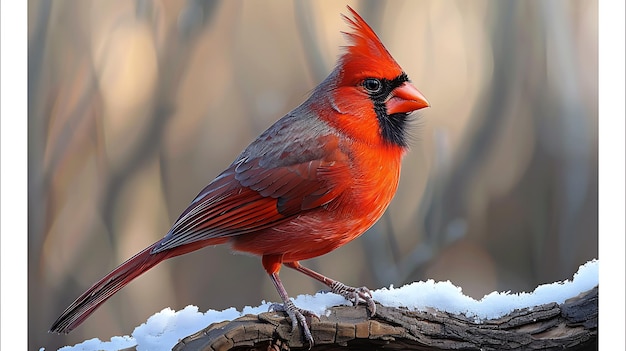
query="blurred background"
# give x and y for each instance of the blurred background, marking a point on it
(134, 106)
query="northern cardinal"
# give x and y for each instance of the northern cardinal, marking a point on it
(315, 180)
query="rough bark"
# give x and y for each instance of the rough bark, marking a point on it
(572, 325)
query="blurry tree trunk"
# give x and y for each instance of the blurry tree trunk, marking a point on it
(572, 325)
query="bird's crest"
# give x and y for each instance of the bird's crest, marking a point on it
(366, 56)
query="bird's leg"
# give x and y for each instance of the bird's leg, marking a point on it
(272, 264)
(355, 295)
(296, 314)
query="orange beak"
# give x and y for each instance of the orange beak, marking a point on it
(405, 99)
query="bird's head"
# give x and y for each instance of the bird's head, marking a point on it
(369, 93)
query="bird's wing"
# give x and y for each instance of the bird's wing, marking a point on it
(248, 197)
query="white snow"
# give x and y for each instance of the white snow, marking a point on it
(163, 330)
(444, 296)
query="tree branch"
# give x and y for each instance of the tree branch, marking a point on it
(572, 325)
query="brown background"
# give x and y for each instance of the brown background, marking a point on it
(134, 106)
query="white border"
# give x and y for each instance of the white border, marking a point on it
(611, 177)
(13, 146)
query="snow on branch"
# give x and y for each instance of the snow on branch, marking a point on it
(418, 316)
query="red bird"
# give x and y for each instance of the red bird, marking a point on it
(315, 180)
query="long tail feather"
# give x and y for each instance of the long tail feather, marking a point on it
(91, 299)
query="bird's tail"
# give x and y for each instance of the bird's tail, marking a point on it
(91, 299)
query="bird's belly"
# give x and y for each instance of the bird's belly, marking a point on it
(309, 235)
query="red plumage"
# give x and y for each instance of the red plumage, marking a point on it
(315, 180)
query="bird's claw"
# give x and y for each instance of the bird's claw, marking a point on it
(355, 295)
(297, 316)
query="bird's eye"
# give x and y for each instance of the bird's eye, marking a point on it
(372, 85)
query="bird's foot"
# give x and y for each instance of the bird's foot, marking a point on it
(297, 316)
(355, 295)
